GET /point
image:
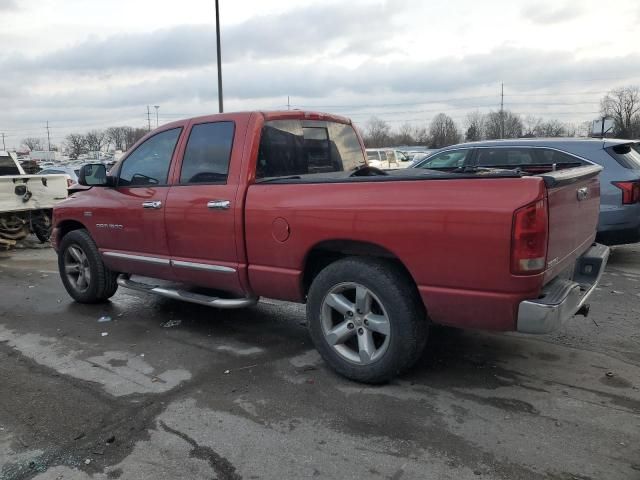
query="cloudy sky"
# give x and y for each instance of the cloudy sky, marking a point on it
(83, 64)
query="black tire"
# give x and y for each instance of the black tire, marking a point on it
(101, 284)
(401, 306)
(41, 225)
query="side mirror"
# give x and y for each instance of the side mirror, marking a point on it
(93, 175)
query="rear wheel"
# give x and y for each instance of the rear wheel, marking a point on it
(366, 319)
(83, 273)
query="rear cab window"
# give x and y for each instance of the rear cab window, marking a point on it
(627, 155)
(299, 148)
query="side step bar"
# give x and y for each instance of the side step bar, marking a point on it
(125, 281)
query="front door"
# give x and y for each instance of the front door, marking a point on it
(202, 213)
(134, 236)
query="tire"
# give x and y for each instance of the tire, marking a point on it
(84, 275)
(41, 226)
(366, 319)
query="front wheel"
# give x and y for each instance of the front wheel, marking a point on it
(366, 319)
(84, 275)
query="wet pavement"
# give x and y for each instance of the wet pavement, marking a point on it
(168, 390)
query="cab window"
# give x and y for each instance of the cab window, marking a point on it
(448, 159)
(149, 163)
(505, 157)
(206, 157)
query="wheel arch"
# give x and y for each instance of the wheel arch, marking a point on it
(66, 226)
(329, 251)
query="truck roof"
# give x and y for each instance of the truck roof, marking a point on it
(268, 115)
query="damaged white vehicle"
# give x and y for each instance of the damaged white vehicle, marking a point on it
(26, 201)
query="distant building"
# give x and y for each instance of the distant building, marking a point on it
(44, 156)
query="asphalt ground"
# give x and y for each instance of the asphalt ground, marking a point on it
(168, 390)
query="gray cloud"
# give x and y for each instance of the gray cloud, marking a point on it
(519, 69)
(6, 5)
(546, 14)
(303, 32)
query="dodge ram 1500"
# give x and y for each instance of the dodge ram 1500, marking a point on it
(224, 209)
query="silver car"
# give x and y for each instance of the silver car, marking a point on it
(619, 182)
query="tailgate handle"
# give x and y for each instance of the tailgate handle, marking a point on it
(152, 204)
(582, 193)
(219, 204)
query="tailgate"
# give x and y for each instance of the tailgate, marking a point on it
(574, 204)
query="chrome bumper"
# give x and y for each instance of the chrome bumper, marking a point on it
(562, 298)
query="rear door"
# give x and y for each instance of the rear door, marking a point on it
(201, 206)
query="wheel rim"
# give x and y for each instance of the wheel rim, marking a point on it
(76, 268)
(355, 323)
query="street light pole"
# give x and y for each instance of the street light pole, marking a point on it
(220, 108)
(156, 107)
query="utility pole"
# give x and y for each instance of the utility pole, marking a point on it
(157, 107)
(502, 110)
(220, 107)
(48, 138)
(4, 147)
(288, 103)
(148, 119)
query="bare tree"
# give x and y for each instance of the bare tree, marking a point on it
(76, 144)
(95, 140)
(474, 123)
(496, 121)
(405, 135)
(443, 131)
(550, 128)
(132, 135)
(377, 133)
(531, 125)
(33, 143)
(117, 136)
(623, 105)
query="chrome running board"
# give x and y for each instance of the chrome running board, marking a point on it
(184, 295)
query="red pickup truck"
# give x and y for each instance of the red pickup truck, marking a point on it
(224, 209)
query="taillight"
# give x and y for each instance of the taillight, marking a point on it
(69, 182)
(630, 191)
(529, 238)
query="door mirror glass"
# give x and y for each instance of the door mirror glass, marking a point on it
(93, 175)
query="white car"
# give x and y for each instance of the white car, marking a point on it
(386, 158)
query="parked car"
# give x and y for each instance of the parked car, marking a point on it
(619, 221)
(281, 205)
(70, 172)
(386, 158)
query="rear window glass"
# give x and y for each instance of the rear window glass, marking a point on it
(206, 158)
(548, 156)
(297, 148)
(627, 155)
(505, 157)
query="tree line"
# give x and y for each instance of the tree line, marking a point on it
(621, 104)
(76, 144)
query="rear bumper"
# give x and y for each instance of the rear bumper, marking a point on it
(562, 298)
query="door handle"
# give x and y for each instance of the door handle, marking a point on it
(152, 204)
(219, 204)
